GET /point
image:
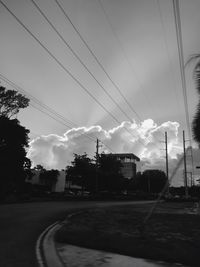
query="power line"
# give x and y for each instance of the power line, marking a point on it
(43, 108)
(79, 59)
(59, 63)
(167, 51)
(181, 60)
(47, 110)
(177, 18)
(124, 54)
(64, 68)
(38, 102)
(95, 57)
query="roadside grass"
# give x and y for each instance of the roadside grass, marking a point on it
(171, 234)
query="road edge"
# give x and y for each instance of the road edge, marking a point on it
(45, 243)
(46, 253)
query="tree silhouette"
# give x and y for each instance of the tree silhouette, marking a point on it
(13, 160)
(110, 177)
(152, 181)
(14, 165)
(49, 178)
(82, 172)
(196, 119)
(11, 102)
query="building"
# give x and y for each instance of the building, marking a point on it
(130, 164)
(58, 187)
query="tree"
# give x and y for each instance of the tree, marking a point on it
(39, 168)
(11, 102)
(152, 181)
(49, 178)
(27, 169)
(13, 160)
(82, 172)
(196, 119)
(110, 177)
(14, 164)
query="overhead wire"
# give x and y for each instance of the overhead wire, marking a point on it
(59, 63)
(181, 61)
(177, 19)
(121, 46)
(95, 57)
(167, 52)
(124, 55)
(79, 59)
(45, 109)
(33, 99)
(64, 68)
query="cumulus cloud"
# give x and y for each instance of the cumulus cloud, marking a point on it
(146, 140)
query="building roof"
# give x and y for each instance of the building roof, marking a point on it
(125, 155)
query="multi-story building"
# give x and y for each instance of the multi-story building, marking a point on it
(129, 162)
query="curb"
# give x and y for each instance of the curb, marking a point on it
(45, 248)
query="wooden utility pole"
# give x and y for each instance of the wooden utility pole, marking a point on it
(97, 165)
(167, 165)
(185, 167)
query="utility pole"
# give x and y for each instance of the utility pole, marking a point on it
(97, 165)
(191, 179)
(167, 165)
(185, 167)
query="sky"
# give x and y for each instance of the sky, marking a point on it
(125, 89)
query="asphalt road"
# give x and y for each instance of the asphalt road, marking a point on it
(21, 225)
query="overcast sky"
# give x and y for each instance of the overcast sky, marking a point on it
(135, 43)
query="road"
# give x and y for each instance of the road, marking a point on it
(21, 225)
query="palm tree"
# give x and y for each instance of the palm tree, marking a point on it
(196, 119)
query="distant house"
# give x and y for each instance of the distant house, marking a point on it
(129, 163)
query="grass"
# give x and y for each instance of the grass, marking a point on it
(170, 234)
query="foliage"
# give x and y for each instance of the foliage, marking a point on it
(49, 178)
(14, 165)
(82, 172)
(134, 182)
(105, 176)
(196, 125)
(13, 160)
(27, 169)
(151, 181)
(11, 102)
(39, 168)
(110, 177)
(196, 119)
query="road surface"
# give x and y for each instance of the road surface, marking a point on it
(21, 225)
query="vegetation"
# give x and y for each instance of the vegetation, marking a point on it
(170, 234)
(105, 176)
(48, 178)
(14, 165)
(196, 119)
(109, 173)
(11, 102)
(151, 181)
(92, 176)
(82, 172)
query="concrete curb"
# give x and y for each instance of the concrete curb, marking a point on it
(45, 247)
(46, 252)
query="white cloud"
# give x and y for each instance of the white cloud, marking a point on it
(144, 140)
